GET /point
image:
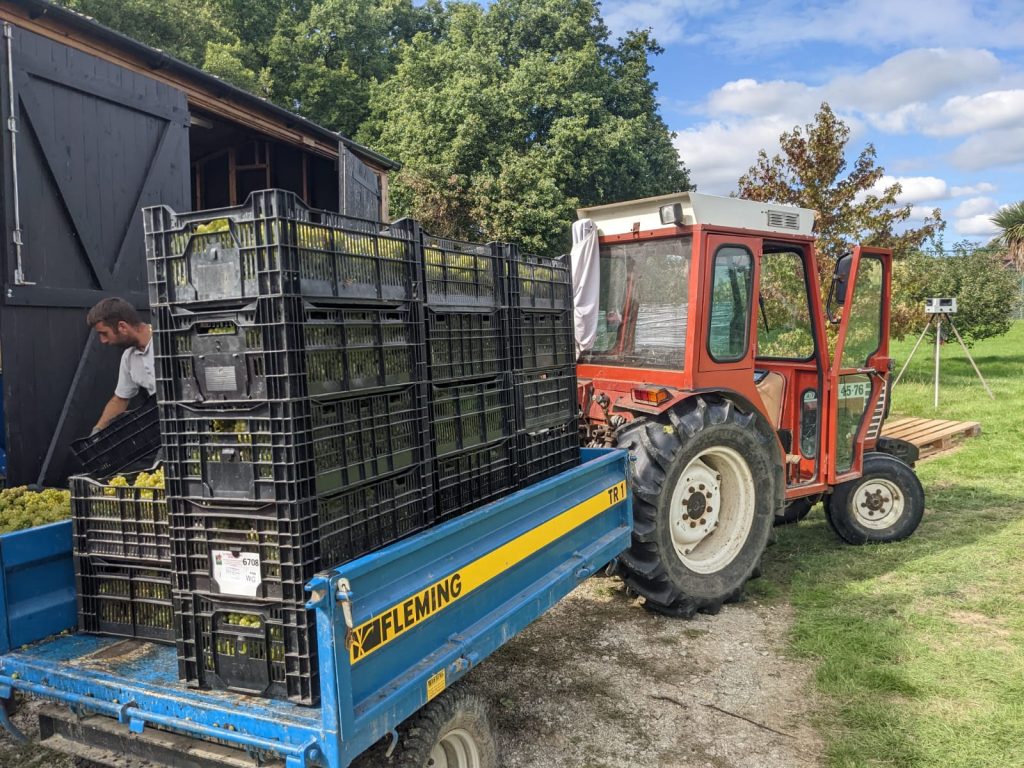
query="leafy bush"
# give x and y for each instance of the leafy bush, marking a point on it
(985, 289)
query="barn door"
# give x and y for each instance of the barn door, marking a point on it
(94, 143)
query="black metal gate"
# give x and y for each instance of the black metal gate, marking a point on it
(95, 142)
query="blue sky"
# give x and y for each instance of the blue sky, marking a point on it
(937, 87)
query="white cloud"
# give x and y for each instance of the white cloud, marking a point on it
(981, 188)
(979, 225)
(913, 77)
(974, 206)
(718, 153)
(920, 212)
(1004, 147)
(961, 115)
(915, 189)
(671, 21)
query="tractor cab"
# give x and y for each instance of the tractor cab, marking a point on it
(697, 308)
(700, 293)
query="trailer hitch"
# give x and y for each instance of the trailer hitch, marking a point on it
(6, 707)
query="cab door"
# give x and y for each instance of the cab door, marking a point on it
(860, 363)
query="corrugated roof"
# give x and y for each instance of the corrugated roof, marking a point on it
(157, 59)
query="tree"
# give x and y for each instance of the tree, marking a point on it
(1011, 221)
(809, 173)
(985, 289)
(507, 118)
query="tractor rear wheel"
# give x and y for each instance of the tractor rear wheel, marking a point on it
(884, 504)
(705, 496)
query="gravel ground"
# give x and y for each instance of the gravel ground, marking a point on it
(598, 682)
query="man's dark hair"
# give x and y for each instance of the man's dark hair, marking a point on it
(111, 311)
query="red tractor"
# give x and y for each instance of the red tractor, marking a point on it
(704, 351)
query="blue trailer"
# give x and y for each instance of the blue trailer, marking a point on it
(396, 629)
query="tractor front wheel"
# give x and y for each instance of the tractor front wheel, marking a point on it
(884, 504)
(704, 487)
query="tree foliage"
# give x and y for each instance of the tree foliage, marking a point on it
(985, 289)
(1011, 221)
(515, 115)
(809, 172)
(506, 118)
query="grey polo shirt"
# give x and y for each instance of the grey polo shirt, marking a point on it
(136, 372)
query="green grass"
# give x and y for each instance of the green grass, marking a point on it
(919, 645)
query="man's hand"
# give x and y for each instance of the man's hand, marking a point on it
(114, 407)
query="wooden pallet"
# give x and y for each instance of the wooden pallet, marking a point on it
(931, 435)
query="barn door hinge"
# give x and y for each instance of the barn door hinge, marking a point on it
(12, 129)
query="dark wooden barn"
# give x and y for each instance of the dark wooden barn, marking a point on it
(96, 127)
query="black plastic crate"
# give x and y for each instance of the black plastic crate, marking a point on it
(284, 348)
(120, 521)
(124, 600)
(461, 274)
(129, 439)
(272, 245)
(357, 439)
(245, 551)
(368, 517)
(472, 478)
(544, 453)
(257, 452)
(262, 648)
(539, 282)
(466, 345)
(545, 397)
(463, 416)
(542, 339)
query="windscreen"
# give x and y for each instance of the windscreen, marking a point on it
(643, 304)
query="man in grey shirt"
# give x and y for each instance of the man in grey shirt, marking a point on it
(116, 322)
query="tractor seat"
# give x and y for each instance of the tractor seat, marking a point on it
(771, 386)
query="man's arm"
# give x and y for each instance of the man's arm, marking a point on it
(114, 407)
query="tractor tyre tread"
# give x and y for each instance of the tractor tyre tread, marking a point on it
(656, 445)
(456, 707)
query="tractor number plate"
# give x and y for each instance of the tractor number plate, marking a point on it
(859, 390)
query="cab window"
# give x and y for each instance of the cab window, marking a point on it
(784, 329)
(729, 325)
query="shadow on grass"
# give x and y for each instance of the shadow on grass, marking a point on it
(857, 606)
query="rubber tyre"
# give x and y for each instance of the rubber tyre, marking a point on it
(877, 466)
(455, 710)
(662, 449)
(795, 511)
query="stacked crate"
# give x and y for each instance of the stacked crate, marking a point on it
(122, 552)
(292, 380)
(544, 364)
(472, 412)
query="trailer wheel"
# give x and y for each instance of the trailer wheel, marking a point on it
(885, 504)
(705, 491)
(452, 731)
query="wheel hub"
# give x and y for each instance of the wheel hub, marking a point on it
(712, 509)
(878, 504)
(698, 513)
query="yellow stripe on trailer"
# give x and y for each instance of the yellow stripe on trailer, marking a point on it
(381, 630)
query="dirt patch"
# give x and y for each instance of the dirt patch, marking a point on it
(598, 682)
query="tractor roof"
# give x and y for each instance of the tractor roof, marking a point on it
(697, 208)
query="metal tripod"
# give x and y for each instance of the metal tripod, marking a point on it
(936, 320)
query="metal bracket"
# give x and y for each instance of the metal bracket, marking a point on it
(394, 743)
(135, 724)
(343, 594)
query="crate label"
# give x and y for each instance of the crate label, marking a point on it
(221, 378)
(435, 684)
(236, 573)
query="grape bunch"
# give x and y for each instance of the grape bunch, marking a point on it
(21, 508)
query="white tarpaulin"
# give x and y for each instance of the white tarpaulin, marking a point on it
(586, 282)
